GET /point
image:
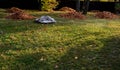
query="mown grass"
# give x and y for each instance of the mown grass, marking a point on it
(69, 44)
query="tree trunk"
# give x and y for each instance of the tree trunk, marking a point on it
(85, 6)
(39, 4)
(78, 5)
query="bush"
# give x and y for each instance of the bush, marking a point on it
(117, 6)
(48, 5)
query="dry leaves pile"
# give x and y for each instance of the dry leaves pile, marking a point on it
(105, 15)
(14, 10)
(16, 13)
(67, 9)
(73, 15)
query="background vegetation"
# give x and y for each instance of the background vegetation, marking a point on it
(48, 5)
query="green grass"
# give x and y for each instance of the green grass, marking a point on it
(91, 44)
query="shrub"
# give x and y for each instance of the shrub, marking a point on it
(48, 5)
(117, 6)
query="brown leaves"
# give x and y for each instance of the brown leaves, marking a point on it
(67, 9)
(19, 15)
(16, 13)
(14, 10)
(73, 15)
(105, 15)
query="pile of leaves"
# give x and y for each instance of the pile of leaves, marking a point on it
(67, 9)
(105, 15)
(20, 16)
(73, 15)
(14, 10)
(16, 13)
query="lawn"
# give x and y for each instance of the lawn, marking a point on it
(69, 44)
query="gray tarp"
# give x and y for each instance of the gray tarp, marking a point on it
(45, 20)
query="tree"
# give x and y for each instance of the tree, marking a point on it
(85, 6)
(78, 5)
(117, 6)
(39, 4)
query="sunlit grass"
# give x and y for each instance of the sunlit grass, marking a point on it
(69, 44)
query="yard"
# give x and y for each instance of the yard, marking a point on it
(69, 44)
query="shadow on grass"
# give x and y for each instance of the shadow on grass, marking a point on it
(85, 57)
(103, 54)
(29, 61)
(34, 61)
